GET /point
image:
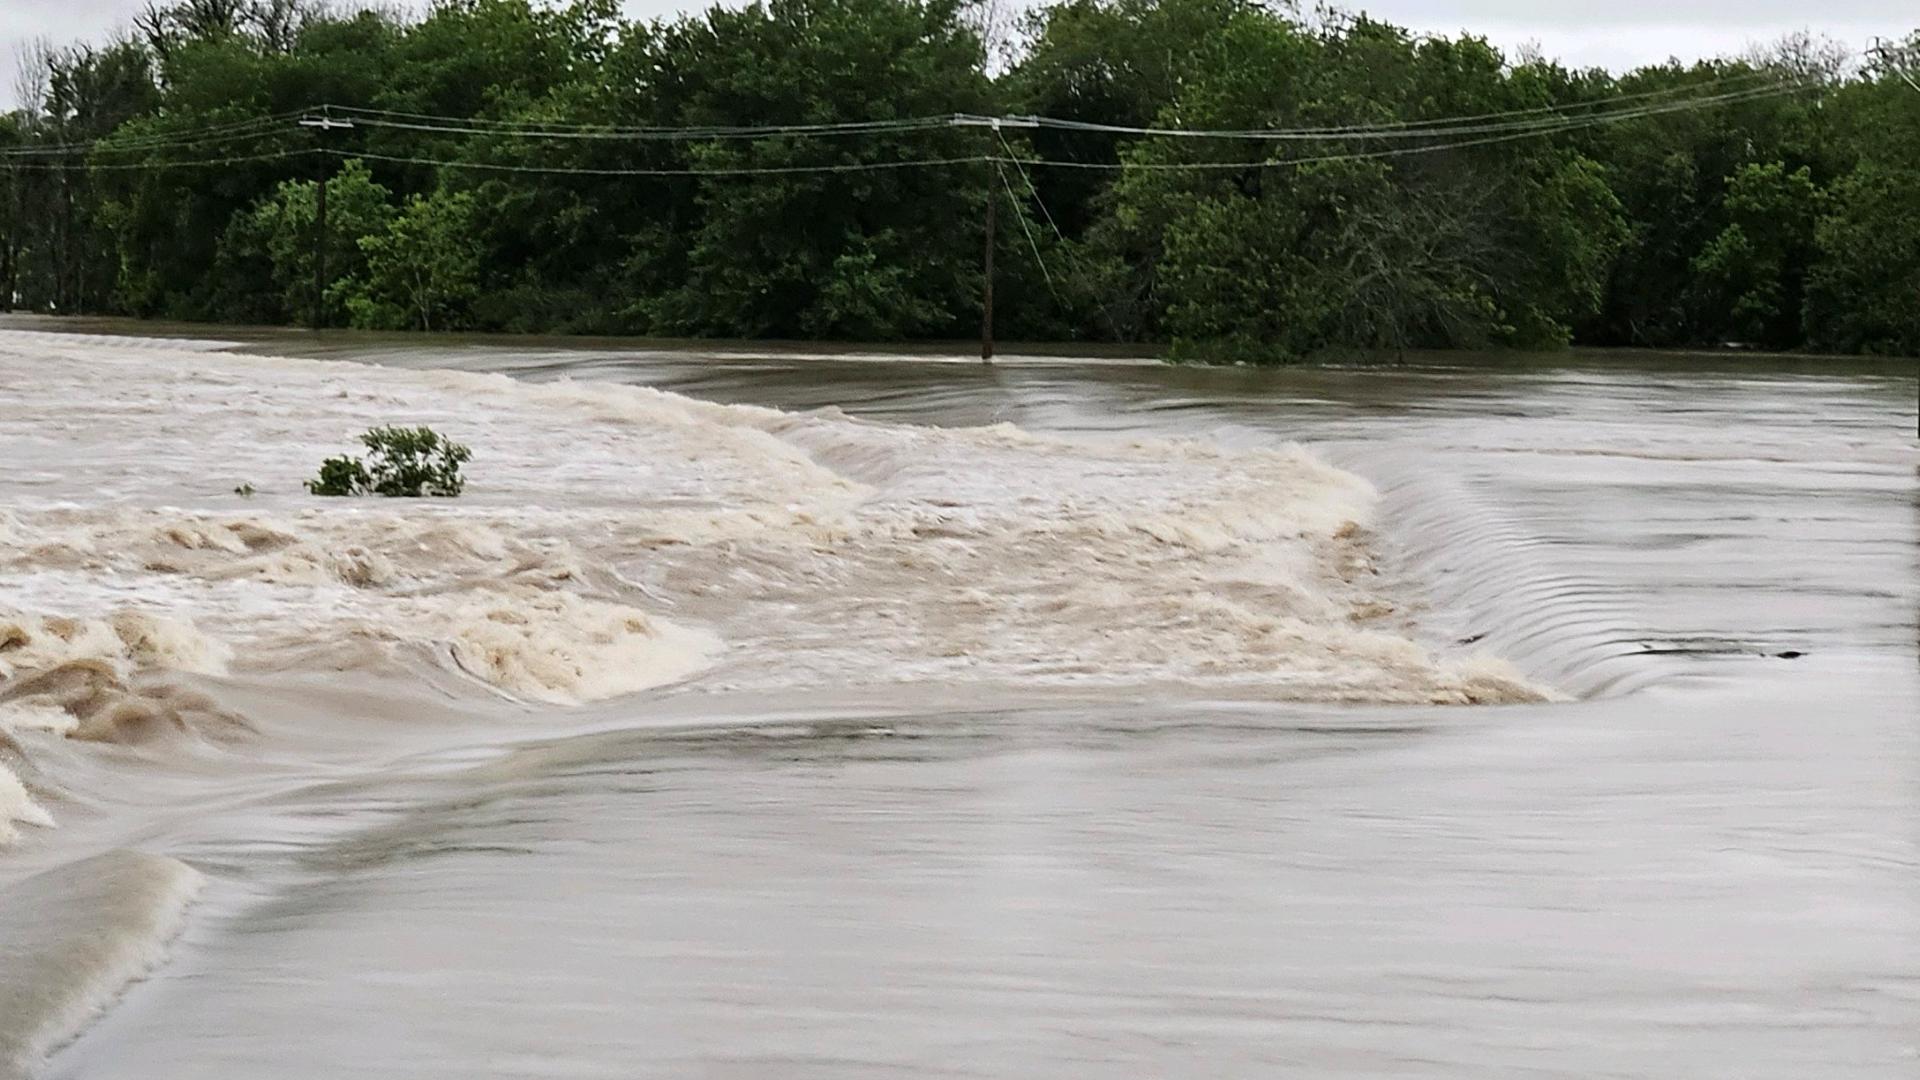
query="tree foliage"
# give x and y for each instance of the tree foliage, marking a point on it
(161, 175)
(401, 462)
(423, 269)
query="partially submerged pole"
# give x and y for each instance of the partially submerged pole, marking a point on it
(321, 125)
(320, 253)
(992, 162)
(986, 313)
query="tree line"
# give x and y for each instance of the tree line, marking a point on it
(785, 170)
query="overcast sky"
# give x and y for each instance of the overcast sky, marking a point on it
(1607, 33)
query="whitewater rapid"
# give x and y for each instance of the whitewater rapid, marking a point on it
(770, 741)
(617, 539)
(158, 551)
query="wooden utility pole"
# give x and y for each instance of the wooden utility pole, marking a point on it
(986, 314)
(320, 251)
(321, 125)
(992, 162)
(10, 248)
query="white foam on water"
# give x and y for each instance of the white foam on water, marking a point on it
(119, 644)
(73, 938)
(18, 808)
(565, 649)
(612, 540)
(612, 536)
(125, 638)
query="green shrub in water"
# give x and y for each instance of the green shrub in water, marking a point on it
(401, 463)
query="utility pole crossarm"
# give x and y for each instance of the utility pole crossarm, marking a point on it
(994, 122)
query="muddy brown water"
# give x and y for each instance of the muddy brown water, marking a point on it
(1705, 864)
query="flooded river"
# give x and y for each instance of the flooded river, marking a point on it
(1604, 763)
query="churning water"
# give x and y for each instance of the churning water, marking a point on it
(807, 716)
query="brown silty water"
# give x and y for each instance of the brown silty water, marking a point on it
(820, 715)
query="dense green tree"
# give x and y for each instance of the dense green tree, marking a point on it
(1865, 290)
(422, 270)
(878, 253)
(547, 165)
(14, 180)
(275, 242)
(88, 93)
(1673, 172)
(1750, 278)
(231, 97)
(1304, 247)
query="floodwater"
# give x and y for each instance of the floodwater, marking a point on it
(1681, 840)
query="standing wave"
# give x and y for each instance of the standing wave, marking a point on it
(72, 939)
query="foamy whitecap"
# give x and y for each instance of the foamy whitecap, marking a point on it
(17, 805)
(73, 938)
(126, 638)
(557, 647)
(18, 808)
(825, 550)
(97, 703)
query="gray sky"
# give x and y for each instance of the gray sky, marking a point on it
(1608, 33)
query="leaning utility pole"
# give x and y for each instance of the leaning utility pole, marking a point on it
(992, 162)
(1899, 60)
(321, 125)
(986, 310)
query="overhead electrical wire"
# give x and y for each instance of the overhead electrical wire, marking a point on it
(742, 170)
(1066, 245)
(55, 166)
(1027, 228)
(662, 135)
(1544, 121)
(110, 148)
(1032, 189)
(1495, 135)
(1897, 58)
(1670, 91)
(1452, 133)
(555, 129)
(1571, 124)
(251, 127)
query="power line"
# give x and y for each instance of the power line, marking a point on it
(1669, 91)
(1031, 189)
(663, 135)
(743, 170)
(559, 129)
(1568, 124)
(1543, 116)
(1893, 56)
(1549, 122)
(250, 128)
(1562, 125)
(1065, 244)
(1502, 134)
(53, 166)
(111, 148)
(1027, 228)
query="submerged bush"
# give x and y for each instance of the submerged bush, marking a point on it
(401, 463)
